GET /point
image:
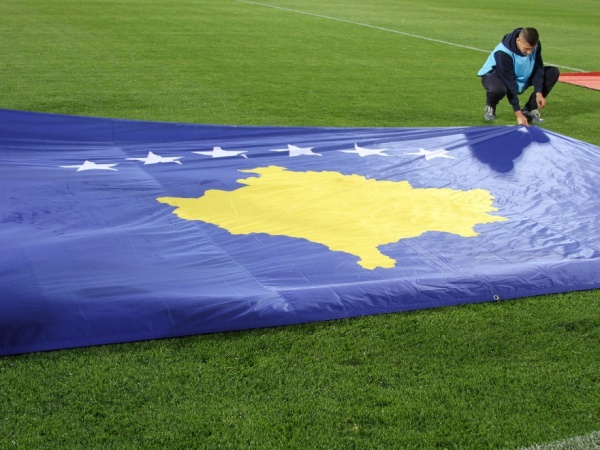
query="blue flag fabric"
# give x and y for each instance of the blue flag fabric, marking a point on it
(115, 230)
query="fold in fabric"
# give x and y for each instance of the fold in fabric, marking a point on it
(116, 231)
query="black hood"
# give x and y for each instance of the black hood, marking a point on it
(510, 41)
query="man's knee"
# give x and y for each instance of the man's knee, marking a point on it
(494, 85)
(551, 75)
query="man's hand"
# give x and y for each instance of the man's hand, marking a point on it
(541, 101)
(521, 119)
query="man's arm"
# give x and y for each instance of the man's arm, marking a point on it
(506, 70)
(537, 78)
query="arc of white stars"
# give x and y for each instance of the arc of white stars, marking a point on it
(89, 165)
(430, 154)
(298, 151)
(153, 158)
(218, 152)
(365, 151)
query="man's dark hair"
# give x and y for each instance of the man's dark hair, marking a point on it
(530, 35)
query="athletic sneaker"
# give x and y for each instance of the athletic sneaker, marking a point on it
(490, 113)
(533, 116)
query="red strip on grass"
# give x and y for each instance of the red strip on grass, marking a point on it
(589, 80)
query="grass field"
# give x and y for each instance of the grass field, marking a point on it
(497, 375)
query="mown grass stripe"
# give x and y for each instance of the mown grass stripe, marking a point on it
(416, 36)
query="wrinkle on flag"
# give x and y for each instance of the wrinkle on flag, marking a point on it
(116, 231)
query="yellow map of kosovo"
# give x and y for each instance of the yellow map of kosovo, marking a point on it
(346, 213)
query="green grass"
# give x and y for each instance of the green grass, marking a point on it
(478, 376)
(495, 375)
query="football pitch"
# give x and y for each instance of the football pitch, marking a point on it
(503, 375)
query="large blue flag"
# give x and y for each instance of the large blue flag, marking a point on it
(115, 230)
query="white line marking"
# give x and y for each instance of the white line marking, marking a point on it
(586, 442)
(389, 30)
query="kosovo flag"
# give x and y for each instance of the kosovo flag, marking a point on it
(117, 230)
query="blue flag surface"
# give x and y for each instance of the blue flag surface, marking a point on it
(115, 230)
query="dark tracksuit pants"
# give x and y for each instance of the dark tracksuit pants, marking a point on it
(496, 89)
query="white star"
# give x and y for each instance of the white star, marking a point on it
(218, 152)
(88, 165)
(155, 159)
(428, 154)
(365, 151)
(297, 151)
